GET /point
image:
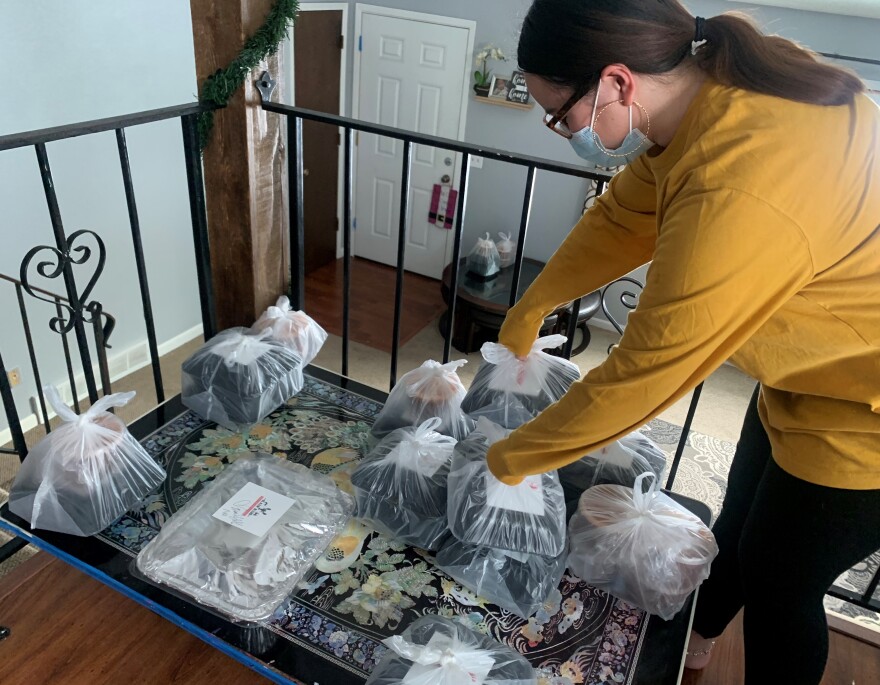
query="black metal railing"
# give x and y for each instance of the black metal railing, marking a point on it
(295, 117)
(76, 310)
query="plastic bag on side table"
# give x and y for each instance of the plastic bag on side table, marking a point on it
(529, 517)
(86, 473)
(296, 329)
(237, 379)
(506, 250)
(243, 543)
(484, 260)
(400, 487)
(432, 390)
(642, 547)
(514, 581)
(510, 392)
(619, 463)
(438, 651)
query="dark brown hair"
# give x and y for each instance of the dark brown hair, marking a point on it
(569, 42)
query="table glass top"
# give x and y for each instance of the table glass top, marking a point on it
(331, 629)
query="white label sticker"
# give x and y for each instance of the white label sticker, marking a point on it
(527, 497)
(470, 667)
(254, 509)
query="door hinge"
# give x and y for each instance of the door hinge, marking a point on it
(354, 224)
(357, 138)
(337, 224)
(360, 43)
(341, 42)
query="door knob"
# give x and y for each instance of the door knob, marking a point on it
(446, 179)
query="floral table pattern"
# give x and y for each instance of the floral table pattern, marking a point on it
(580, 636)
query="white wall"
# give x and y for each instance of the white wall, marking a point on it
(77, 60)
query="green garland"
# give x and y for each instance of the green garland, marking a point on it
(222, 84)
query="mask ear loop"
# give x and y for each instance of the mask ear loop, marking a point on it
(601, 111)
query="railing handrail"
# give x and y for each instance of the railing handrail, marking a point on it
(109, 327)
(47, 135)
(438, 142)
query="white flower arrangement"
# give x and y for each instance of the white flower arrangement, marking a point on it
(483, 76)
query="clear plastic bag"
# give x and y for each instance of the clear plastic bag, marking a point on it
(86, 473)
(619, 463)
(510, 392)
(237, 379)
(529, 517)
(296, 329)
(506, 250)
(484, 260)
(401, 486)
(642, 547)
(214, 549)
(517, 582)
(438, 651)
(432, 390)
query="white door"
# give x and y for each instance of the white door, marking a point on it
(411, 75)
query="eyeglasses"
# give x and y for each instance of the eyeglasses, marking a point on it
(555, 121)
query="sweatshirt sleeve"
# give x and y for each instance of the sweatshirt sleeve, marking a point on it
(614, 237)
(723, 263)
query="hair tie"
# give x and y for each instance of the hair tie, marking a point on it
(698, 41)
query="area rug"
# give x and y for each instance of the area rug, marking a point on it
(703, 476)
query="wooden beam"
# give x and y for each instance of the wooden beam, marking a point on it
(245, 170)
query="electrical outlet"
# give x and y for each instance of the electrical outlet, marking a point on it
(476, 162)
(14, 377)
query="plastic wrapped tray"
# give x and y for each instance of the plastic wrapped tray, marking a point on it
(243, 543)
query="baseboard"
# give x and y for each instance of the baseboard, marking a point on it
(852, 629)
(120, 364)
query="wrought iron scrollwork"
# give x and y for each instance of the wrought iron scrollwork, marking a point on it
(593, 188)
(53, 265)
(628, 299)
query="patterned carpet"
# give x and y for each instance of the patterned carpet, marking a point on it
(703, 476)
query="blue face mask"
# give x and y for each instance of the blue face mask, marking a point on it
(587, 145)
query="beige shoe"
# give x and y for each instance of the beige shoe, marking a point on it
(699, 652)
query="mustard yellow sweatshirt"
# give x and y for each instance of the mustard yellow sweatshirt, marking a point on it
(762, 222)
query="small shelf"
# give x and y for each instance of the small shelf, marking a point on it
(503, 103)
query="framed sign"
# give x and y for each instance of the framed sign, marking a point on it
(518, 91)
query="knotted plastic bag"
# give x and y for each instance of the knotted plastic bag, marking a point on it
(438, 651)
(400, 487)
(237, 379)
(86, 473)
(432, 390)
(484, 260)
(529, 517)
(510, 392)
(619, 463)
(515, 581)
(642, 547)
(506, 250)
(296, 329)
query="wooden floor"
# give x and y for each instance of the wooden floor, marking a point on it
(70, 629)
(850, 662)
(372, 302)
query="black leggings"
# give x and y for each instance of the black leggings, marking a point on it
(783, 542)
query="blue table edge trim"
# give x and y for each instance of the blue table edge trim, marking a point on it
(167, 614)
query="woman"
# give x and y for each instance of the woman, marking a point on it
(753, 187)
